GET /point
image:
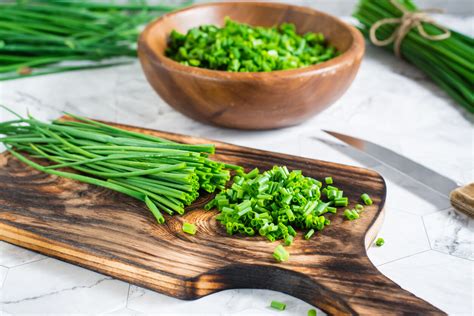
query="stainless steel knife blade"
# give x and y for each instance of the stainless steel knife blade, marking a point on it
(408, 167)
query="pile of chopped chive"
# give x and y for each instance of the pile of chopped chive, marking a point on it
(40, 37)
(275, 203)
(165, 175)
(239, 47)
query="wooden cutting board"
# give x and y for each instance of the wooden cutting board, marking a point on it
(116, 235)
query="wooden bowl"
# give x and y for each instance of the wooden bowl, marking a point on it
(250, 100)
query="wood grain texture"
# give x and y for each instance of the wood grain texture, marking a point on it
(252, 100)
(116, 235)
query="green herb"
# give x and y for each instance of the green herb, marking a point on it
(165, 175)
(312, 312)
(274, 203)
(351, 214)
(379, 242)
(366, 199)
(278, 305)
(240, 47)
(189, 228)
(309, 234)
(40, 37)
(328, 180)
(280, 254)
(359, 207)
(449, 63)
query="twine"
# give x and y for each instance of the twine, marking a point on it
(407, 21)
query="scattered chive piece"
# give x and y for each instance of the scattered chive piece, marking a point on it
(351, 214)
(312, 312)
(189, 228)
(328, 180)
(359, 207)
(366, 198)
(379, 242)
(280, 254)
(309, 234)
(278, 305)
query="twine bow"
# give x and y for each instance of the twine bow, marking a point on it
(407, 21)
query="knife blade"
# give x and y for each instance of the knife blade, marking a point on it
(414, 170)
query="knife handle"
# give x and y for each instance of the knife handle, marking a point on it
(462, 199)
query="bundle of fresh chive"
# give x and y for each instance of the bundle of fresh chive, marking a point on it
(37, 35)
(165, 175)
(448, 62)
(275, 203)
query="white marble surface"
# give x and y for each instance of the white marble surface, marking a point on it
(428, 250)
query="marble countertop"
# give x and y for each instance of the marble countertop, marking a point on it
(428, 250)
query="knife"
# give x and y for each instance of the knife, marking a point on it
(461, 197)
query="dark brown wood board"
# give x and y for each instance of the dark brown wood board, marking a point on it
(116, 235)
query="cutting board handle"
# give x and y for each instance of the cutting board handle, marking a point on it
(374, 294)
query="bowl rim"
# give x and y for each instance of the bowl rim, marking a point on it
(354, 52)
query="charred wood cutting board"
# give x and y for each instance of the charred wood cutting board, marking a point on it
(116, 235)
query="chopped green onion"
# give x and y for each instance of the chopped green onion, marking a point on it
(238, 47)
(328, 180)
(275, 203)
(291, 231)
(341, 202)
(309, 234)
(331, 209)
(280, 254)
(189, 228)
(278, 305)
(366, 199)
(312, 312)
(379, 242)
(288, 239)
(351, 214)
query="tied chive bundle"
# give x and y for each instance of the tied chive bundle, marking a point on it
(275, 202)
(239, 47)
(165, 175)
(37, 35)
(449, 62)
